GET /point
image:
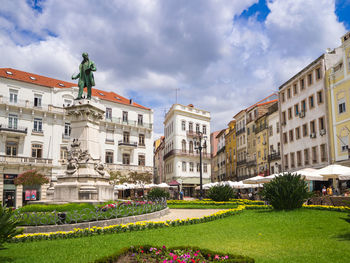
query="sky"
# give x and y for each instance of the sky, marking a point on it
(219, 55)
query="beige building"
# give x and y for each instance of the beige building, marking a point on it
(241, 144)
(274, 144)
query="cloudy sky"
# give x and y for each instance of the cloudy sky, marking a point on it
(220, 55)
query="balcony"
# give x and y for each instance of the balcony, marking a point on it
(251, 163)
(260, 128)
(13, 129)
(129, 123)
(65, 136)
(17, 160)
(185, 153)
(190, 133)
(241, 162)
(129, 167)
(240, 131)
(127, 144)
(274, 156)
(109, 141)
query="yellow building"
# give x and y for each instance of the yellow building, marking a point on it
(230, 148)
(338, 80)
(262, 145)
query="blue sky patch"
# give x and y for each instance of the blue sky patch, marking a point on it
(342, 10)
(259, 10)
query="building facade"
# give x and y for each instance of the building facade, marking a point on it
(182, 127)
(214, 158)
(241, 144)
(158, 177)
(221, 155)
(274, 144)
(230, 151)
(35, 130)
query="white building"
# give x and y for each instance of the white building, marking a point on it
(35, 131)
(221, 155)
(303, 113)
(182, 125)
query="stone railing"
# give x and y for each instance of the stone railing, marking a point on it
(24, 160)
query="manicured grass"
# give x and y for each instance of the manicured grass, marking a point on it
(268, 236)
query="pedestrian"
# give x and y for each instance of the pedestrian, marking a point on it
(324, 190)
(329, 191)
(181, 195)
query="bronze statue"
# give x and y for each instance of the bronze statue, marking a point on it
(86, 78)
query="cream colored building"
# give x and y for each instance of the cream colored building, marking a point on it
(35, 130)
(241, 145)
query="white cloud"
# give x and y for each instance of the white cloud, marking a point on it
(147, 49)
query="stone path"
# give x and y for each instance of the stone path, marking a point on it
(186, 213)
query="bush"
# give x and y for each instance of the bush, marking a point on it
(286, 192)
(158, 193)
(8, 225)
(221, 193)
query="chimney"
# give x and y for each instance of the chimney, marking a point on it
(131, 101)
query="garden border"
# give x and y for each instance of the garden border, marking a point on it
(91, 224)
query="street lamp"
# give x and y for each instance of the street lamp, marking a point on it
(199, 147)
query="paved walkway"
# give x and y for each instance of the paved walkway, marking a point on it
(186, 213)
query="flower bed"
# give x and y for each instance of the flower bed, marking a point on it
(147, 253)
(211, 202)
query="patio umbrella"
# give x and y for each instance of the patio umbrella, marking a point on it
(310, 174)
(335, 171)
(163, 185)
(253, 180)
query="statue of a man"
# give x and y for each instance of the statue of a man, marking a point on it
(86, 78)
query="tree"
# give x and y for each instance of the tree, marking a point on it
(220, 193)
(8, 224)
(286, 192)
(31, 177)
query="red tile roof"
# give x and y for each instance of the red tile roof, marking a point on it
(27, 77)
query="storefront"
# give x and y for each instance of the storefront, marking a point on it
(9, 192)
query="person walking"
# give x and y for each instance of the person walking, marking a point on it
(329, 191)
(324, 190)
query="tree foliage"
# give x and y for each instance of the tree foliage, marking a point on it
(31, 177)
(286, 192)
(221, 193)
(8, 225)
(132, 178)
(157, 193)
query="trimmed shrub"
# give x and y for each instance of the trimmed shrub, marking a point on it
(8, 225)
(158, 193)
(286, 192)
(221, 193)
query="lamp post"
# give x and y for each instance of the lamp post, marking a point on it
(200, 147)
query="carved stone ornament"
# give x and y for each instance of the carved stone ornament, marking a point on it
(99, 167)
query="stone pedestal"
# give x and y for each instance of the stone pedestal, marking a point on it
(85, 179)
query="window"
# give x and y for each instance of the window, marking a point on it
(288, 93)
(11, 148)
(38, 125)
(37, 150)
(286, 161)
(204, 129)
(109, 157)
(341, 105)
(311, 102)
(306, 156)
(190, 127)
(344, 142)
(312, 127)
(141, 139)
(303, 105)
(37, 100)
(299, 161)
(125, 116)
(291, 137)
(205, 167)
(142, 160)
(296, 109)
(283, 97)
(63, 153)
(183, 144)
(321, 124)
(290, 116)
(197, 128)
(191, 166)
(13, 96)
(140, 119)
(108, 113)
(314, 154)
(126, 137)
(295, 89)
(270, 130)
(305, 130)
(284, 117)
(292, 160)
(13, 121)
(297, 133)
(285, 137)
(320, 97)
(183, 125)
(318, 73)
(309, 79)
(191, 147)
(302, 84)
(323, 153)
(277, 127)
(67, 129)
(184, 166)
(126, 158)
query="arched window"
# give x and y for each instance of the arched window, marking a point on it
(183, 145)
(191, 147)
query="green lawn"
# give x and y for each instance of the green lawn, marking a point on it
(268, 236)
